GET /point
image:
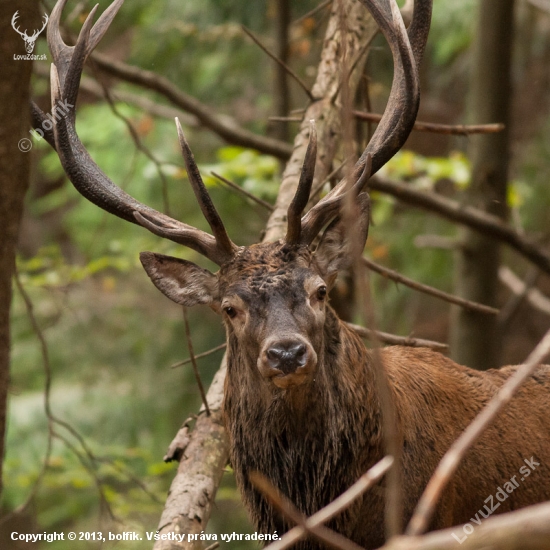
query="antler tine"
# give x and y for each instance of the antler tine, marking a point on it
(402, 107)
(419, 28)
(401, 110)
(89, 36)
(301, 197)
(203, 198)
(83, 172)
(326, 210)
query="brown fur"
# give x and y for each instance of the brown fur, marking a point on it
(313, 441)
(316, 434)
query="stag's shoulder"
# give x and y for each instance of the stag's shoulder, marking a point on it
(422, 366)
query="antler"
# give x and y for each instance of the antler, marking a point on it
(37, 32)
(299, 202)
(24, 34)
(401, 110)
(84, 173)
(16, 29)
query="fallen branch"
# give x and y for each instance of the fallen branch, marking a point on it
(199, 473)
(526, 529)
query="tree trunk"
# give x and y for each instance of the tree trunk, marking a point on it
(474, 336)
(281, 89)
(14, 171)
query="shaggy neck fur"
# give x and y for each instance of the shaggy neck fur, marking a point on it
(302, 439)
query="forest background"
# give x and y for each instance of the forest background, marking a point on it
(89, 330)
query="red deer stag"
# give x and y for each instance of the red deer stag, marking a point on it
(300, 400)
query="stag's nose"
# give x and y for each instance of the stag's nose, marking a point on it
(287, 356)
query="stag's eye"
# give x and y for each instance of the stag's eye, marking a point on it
(321, 293)
(231, 312)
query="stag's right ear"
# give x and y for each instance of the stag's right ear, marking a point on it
(183, 282)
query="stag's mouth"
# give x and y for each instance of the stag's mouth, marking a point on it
(285, 381)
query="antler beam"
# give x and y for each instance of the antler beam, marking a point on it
(401, 110)
(84, 173)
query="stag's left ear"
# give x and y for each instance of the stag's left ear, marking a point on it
(343, 239)
(183, 282)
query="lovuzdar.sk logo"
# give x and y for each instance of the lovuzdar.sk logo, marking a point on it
(30, 41)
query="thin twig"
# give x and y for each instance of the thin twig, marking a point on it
(199, 356)
(398, 278)
(89, 467)
(393, 445)
(454, 129)
(297, 79)
(313, 12)
(289, 511)
(523, 290)
(194, 362)
(244, 192)
(387, 338)
(362, 485)
(419, 126)
(274, 118)
(317, 189)
(451, 460)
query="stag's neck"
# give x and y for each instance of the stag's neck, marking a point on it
(304, 437)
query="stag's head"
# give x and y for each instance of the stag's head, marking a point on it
(272, 296)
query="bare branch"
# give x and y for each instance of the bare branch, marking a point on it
(289, 511)
(224, 126)
(244, 192)
(451, 460)
(465, 215)
(455, 129)
(199, 356)
(398, 278)
(526, 529)
(543, 5)
(392, 339)
(534, 296)
(313, 12)
(194, 362)
(91, 86)
(281, 63)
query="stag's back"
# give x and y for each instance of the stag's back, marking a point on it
(436, 399)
